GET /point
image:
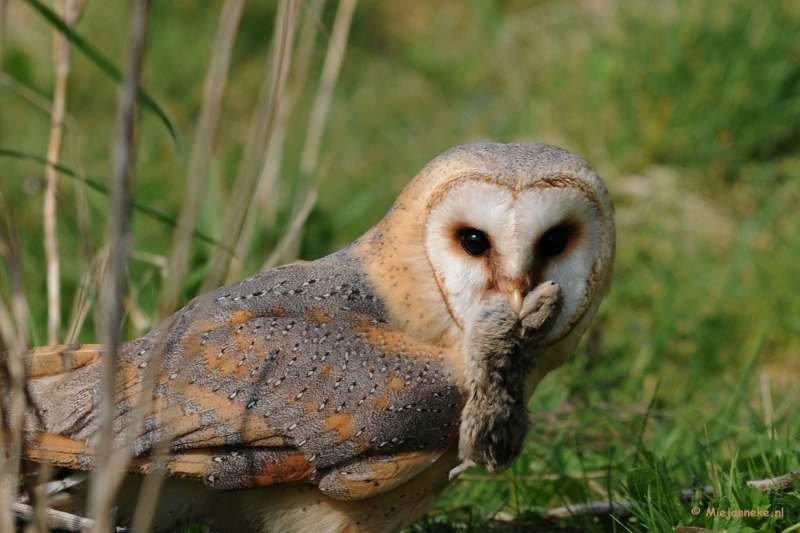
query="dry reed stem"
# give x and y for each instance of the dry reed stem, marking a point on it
(600, 507)
(766, 400)
(267, 184)
(80, 306)
(264, 205)
(117, 466)
(205, 134)
(106, 480)
(61, 56)
(330, 74)
(3, 18)
(623, 508)
(534, 477)
(14, 333)
(9, 462)
(41, 499)
(774, 483)
(309, 159)
(81, 195)
(67, 10)
(260, 130)
(87, 290)
(151, 486)
(292, 235)
(55, 519)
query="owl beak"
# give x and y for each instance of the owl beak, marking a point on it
(515, 299)
(514, 292)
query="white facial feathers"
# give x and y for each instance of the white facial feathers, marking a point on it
(554, 226)
(514, 194)
(540, 210)
(472, 204)
(520, 226)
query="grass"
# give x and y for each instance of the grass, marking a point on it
(689, 110)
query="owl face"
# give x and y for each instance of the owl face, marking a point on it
(486, 219)
(485, 236)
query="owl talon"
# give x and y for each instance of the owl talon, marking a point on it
(454, 473)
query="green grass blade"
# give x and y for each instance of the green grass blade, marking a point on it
(106, 66)
(103, 189)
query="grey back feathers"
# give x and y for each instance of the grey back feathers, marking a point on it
(299, 351)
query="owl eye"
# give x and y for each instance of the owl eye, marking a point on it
(554, 241)
(474, 241)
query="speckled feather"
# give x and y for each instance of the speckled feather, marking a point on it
(296, 359)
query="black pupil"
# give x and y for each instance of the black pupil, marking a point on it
(554, 241)
(474, 241)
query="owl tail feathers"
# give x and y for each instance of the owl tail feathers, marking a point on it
(56, 449)
(58, 359)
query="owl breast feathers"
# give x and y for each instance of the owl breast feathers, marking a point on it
(360, 382)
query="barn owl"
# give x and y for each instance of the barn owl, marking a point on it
(344, 394)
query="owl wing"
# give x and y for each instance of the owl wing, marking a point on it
(292, 375)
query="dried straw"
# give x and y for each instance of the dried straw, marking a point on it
(108, 476)
(15, 336)
(309, 159)
(260, 130)
(265, 203)
(200, 158)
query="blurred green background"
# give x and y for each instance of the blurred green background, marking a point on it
(690, 110)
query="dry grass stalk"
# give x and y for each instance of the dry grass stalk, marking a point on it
(774, 483)
(151, 486)
(330, 74)
(41, 499)
(14, 335)
(3, 9)
(108, 475)
(766, 401)
(61, 53)
(3, 17)
(55, 519)
(86, 293)
(621, 508)
(260, 130)
(292, 235)
(84, 297)
(267, 184)
(68, 10)
(309, 159)
(200, 158)
(265, 203)
(533, 478)
(81, 195)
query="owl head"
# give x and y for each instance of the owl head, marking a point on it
(486, 219)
